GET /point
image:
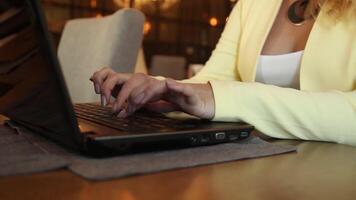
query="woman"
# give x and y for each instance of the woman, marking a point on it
(309, 47)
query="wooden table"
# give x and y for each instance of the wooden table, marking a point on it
(317, 171)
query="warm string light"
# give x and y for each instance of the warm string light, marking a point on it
(213, 21)
(147, 27)
(93, 3)
(164, 4)
(122, 3)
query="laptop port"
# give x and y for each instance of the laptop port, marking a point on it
(220, 136)
(233, 136)
(205, 139)
(244, 134)
(194, 140)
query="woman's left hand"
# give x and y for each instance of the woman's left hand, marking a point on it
(194, 99)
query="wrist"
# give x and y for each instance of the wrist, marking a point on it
(211, 102)
(208, 102)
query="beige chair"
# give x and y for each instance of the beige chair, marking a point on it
(92, 43)
(168, 66)
(141, 66)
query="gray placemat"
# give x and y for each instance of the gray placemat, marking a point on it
(18, 155)
(22, 152)
(17, 165)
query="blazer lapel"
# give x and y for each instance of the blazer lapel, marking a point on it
(329, 60)
(257, 20)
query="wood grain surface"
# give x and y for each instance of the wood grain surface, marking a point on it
(317, 171)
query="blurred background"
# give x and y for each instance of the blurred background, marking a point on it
(188, 29)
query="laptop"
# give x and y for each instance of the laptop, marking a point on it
(34, 95)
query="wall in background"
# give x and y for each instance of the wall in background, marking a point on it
(189, 28)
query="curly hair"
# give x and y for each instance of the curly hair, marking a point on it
(336, 8)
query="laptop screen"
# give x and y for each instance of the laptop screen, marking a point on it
(32, 90)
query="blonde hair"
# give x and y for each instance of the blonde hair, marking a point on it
(335, 8)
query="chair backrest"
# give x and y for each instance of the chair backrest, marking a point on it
(141, 66)
(168, 66)
(92, 43)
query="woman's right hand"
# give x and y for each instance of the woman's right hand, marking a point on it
(134, 88)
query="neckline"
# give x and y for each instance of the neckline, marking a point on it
(285, 54)
(277, 7)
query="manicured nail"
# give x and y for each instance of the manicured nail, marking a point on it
(103, 100)
(97, 88)
(121, 114)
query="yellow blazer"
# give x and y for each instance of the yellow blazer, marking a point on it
(325, 107)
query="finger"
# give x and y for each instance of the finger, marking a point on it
(134, 97)
(129, 110)
(112, 101)
(150, 90)
(121, 113)
(109, 84)
(162, 107)
(97, 88)
(99, 76)
(137, 95)
(154, 92)
(128, 87)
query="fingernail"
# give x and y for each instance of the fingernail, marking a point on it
(121, 114)
(97, 88)
(103, 101)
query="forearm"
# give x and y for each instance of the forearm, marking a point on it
(288, 113)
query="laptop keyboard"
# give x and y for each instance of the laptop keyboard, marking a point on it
(140, 121)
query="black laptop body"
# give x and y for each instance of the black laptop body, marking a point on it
(33, 93)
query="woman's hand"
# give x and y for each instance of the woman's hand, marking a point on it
(133, 91)
(194, 99)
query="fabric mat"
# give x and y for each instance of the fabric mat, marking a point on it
(19, 156)
(23, 152)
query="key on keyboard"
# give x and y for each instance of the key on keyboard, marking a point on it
(140, 121)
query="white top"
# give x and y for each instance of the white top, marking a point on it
(280, 70)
